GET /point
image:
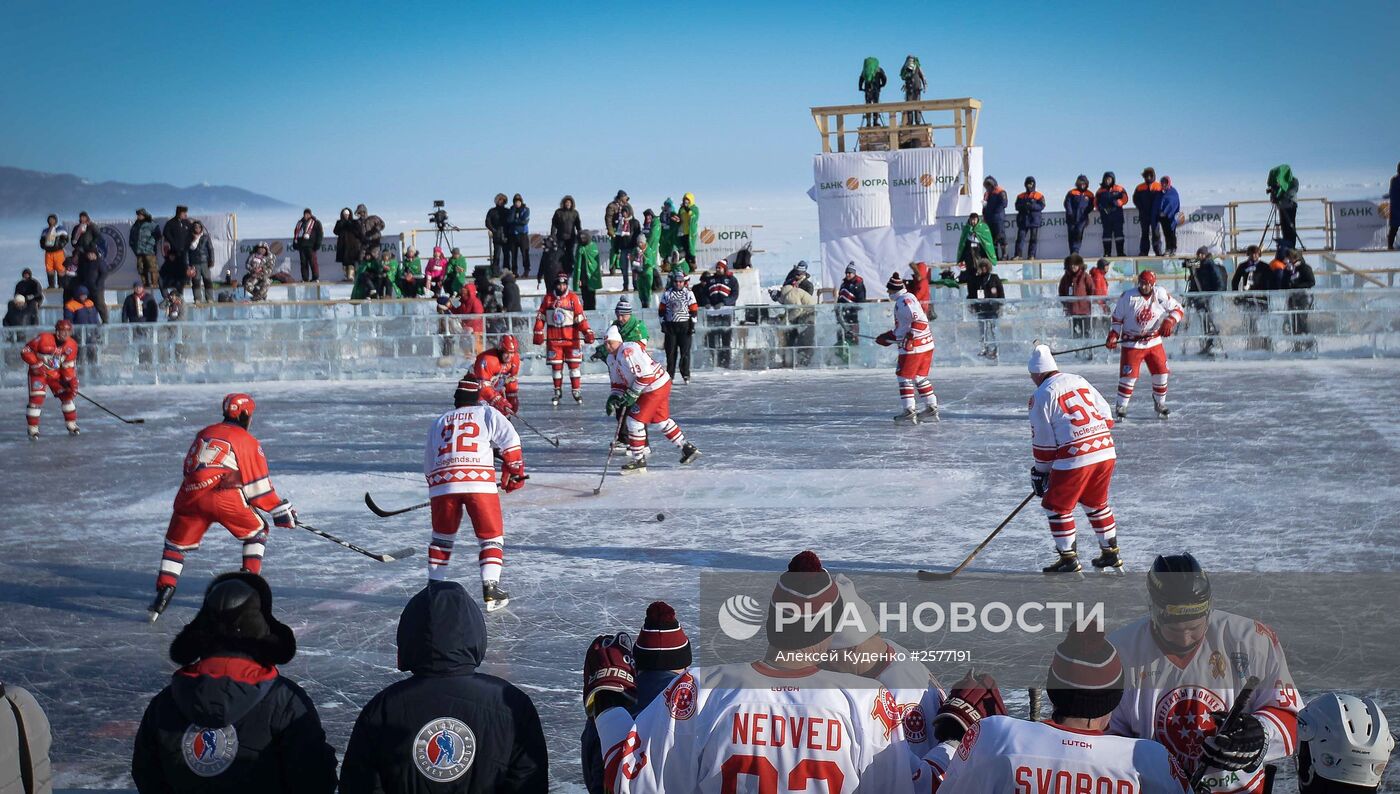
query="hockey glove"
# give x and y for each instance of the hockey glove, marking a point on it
(609, 674)
(513, 401)
(500, 404)
(284, 515)
(513, 473)
(588, 337)
(1112, 343)
(1040, 481)
(630, 397)
(1168, 326)
(614, 404)
(538, 338)
(971, 699)
(886, 339)
(1237, 746)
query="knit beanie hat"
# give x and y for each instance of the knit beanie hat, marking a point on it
(1086, 676)
(808, 593)
(662, 644)
(624, 306)
(895, 284)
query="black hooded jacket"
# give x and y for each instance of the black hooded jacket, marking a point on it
(414, 728)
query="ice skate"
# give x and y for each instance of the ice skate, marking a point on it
(162, 600)
(1120, 411)
(689, 453)
(617, 446)
(33, 433)
(1108, 560)
(72, 428)
(635, 466)
(1160, 406)
(910, 415)
(1067, 563)
(930, 413)
(686, 378)
(578, 396)
(558, 392)
(493, 596)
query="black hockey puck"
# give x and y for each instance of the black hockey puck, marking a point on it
(660, 516)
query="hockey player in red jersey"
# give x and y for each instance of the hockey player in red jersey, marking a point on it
(226, 481)
(53, 359)
(560, 325)
(1070, 752)
(642, 389)
(911, 331)
(780, 723)
(1144, 316)
(1072, 443)
(1185, 663)
(497, 370)
(461, 473)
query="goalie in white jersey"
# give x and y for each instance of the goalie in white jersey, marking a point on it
(1071, 751)
(461, 472)
(1185, 664)
(1072, 444)
(915, 339)
(781, 724)
(1144, 316)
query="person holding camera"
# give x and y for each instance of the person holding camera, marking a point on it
(1283, 192)
(1207, 275)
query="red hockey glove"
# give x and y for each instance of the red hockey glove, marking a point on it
(539, 337)
(1168, 325)
(1112, 343)
(514, 402)
(284, 515)
(588, 337)
(971, 699)
(501, 404)
(609, 674)
(886, 339)
(513, 472)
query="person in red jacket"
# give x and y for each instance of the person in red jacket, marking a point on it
(561, 326)
(921, 288)
(498, 372)
(53, 365)
(226, 481)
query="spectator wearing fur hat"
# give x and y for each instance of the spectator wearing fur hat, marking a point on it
(229, 720)
(498, 229)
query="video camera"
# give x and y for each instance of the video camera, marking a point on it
(438, 217)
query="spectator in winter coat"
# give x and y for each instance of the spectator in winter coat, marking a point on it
(436, 271)
(229, 720)
(347, 243)
(1297, 277)
(1147, 197)
(53, 239)
(370, 230)
(410, 282)
(1079, 203)
(29, 287)
(80, 310)
(1394, 197)
(468, 306)
(588, 274)
(306, 239)
(650, 246)
(1207, 275)
(614, 208)
(994, 204)
(1029, 204)
(975, 242)
(626, 231)
(498, 229)
(510, 302)
(851, 292)
(456, 273)
(551, 262)
(1169, 208)
(25, 740)
(798, 277)
(1252, 276)
(200, 257)
(985, 294)
(19, 313)
(87, 254)
(144, 239)
(409, 738)
(566, 229)
(257, 272)
(1110, 200)
(723, 287)
(688, 232)
(139, 306)
(872, 79)
(1076, 283)
(518, 232)
(670, 230)
(175, 239)
(1099, 276)
(801, 317)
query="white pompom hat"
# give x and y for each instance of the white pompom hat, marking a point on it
(1041, 361)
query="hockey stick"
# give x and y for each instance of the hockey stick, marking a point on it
(1236, 711)
(621, 417)
(939, 576)
(382, 513)
(1077, 349)
(390, 557)
(108, 410)
(554, 441)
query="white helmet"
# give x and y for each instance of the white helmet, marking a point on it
(1342, 739)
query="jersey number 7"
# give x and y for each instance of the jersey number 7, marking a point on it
(1079, 415)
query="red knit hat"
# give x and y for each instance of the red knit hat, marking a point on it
(895, 283)
(809, 590)
(1086, 676)
(661, 644)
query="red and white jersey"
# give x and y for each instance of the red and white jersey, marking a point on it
(917, 693)
(493, 375)
(999, 755)
(457, 457)
(751, 727)
(1170, 698)
(631, 368)
(1138, 320)
(44, 350)
(561, 319)
(1070, 424)
(225, 456)
(911, 328)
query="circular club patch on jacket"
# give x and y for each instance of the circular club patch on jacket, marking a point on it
(209, 751)
(444, 749)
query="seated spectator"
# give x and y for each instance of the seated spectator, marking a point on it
(372, 280)
(25, 740)
(30, 288)
(20, 313)
(1344, 745)
(798, 278)
(1207, 275)
(229, 720)
(257, 273)
(1076, 283)
(410, 282)
(456, 274)
(447, 723)
(173, 306)
(81, 310)
(139, 306)
(435, 271)
(467, 305)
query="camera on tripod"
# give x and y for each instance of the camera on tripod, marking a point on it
(438, 217)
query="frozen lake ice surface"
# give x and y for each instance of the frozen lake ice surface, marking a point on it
(792, 460)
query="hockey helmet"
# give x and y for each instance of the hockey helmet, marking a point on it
(1179, 589)
(1342, 740)
(63, 325)
(510, 345)
(1147, 277)
(239, 407)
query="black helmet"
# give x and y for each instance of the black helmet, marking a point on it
(1179, 589)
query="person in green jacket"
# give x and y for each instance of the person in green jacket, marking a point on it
(457, 273)
(408, 279)
(976, 242)
(1283, 192)
(670, 227)
(689, 233)
(588, 276)
(650, 247)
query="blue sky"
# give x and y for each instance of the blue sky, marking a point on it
(332, 103)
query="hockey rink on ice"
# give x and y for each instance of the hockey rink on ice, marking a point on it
(1263, 466)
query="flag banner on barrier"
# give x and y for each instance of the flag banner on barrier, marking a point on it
(1198, 226)
(851, 191)
(1361, 225)
(720, 242)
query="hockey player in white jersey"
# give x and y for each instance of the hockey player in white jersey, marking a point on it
(642, 390)
(858, 648)
(461, 472)
(1143, 317)
(1072, 444)
(1344, 745)
(1070, 752)
(1185, 663)
(780, 724)
(915, 339)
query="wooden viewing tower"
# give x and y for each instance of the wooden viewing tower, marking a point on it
(899, 130)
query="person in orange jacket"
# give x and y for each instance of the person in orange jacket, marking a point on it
(1029, 204)
(1079, 203)
(1109, 201)
(1147, 197)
